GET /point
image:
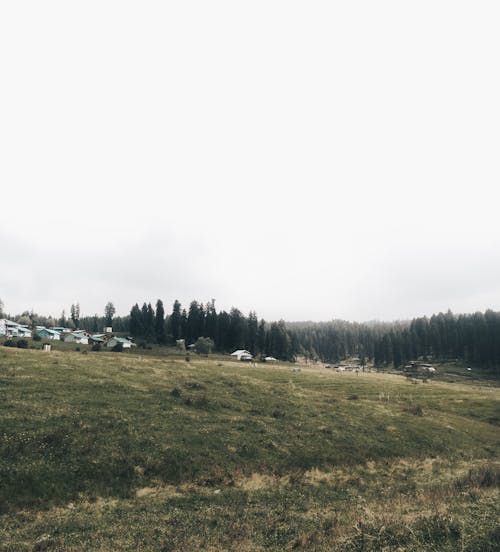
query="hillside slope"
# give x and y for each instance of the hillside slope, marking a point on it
(123, 452)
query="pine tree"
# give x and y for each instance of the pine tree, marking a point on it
(148, 318)
(175, 321)
(237, 329)
(183, 324)
(62, 320)
(223, 341)
(160, 322)
(193, 322)
(261, 337)
(109, 312)
(136, 326)
(75, 314)
(211, 320)
(252, 333)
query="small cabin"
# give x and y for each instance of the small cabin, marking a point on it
(125, 343)
(45, 333)
(242, 354)
(76, 337)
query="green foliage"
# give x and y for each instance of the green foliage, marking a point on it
(19, 343)
(109, 312)
(203, 345)
(159, 323)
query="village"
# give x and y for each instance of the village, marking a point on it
(8, 328)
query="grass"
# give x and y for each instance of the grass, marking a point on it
(134, 452)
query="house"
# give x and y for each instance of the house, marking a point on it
(242, 354)
(126, 344)
(23, 331)
(13, 329)
(83, 333)
(61, 329)
(45, 333)
(76, 337)
(96, 340)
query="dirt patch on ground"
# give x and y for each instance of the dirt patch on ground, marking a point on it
(259, 481)
(165, 491)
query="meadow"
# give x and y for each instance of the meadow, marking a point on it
(130, 451)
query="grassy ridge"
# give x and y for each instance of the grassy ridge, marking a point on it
(160, 454)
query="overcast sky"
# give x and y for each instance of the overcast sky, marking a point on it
(309, 160)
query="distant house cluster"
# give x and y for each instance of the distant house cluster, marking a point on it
(9, 328)
(13, 329)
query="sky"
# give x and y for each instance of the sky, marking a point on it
(306, 160)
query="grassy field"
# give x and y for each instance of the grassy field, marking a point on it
(105, 451)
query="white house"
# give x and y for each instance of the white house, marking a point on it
(242, 354)
(76, 337)
(126, 344)
(44, 333)
(83, 333)
(13, 329)
(22, 331)
(61, 329)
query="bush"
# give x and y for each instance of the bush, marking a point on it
(36, 337)
(96, 347)
(22, 344)
(118, 348)
(203, 345)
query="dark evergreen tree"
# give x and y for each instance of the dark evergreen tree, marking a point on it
(261, 338)
(175, 321)
(160, 323)
(237, 329)
(193, 322)
(136, 325)
(183, 324)
(75, 314)
(211, 320)
(252, 333)
(223, 341)
(109, 312)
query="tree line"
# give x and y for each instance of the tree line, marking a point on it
(472, 338)
(228, 330)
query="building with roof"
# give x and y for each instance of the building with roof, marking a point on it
(76, 337)
(125, 343)
(13, 329)
(242, 354)
(45, 333)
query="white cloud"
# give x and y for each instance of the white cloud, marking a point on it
(299, 159)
